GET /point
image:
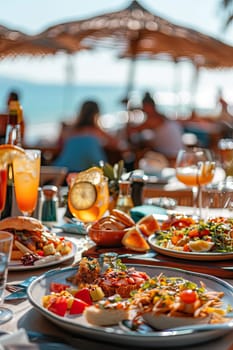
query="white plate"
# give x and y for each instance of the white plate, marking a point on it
(17, 264)
(207, 256)
(173, 338)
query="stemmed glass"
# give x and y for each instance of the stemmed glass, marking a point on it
(26, 170)
(6, 241)
(195, 167)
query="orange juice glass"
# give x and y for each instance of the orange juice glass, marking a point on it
(194, 176)
(195, 168)
(85, 205)
(26, 169)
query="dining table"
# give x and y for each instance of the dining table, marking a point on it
(27, 317)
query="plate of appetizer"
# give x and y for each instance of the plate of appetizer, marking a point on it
(34, 245)
(107, 304)
(185, 238)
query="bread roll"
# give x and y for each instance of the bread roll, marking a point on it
(123, 217)
(20, 223)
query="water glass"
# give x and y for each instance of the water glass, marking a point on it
(219, 196)
(6, 242)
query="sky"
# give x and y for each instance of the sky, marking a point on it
(101, 66)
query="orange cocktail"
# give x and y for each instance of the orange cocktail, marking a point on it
(88, 196)
(26, 178)
(195, 168)
(196, 175)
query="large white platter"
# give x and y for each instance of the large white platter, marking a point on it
(209, 256)
(172, 339)
(17, 264)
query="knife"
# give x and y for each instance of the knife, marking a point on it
(19, 295)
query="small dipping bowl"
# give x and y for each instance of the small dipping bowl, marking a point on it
(106, 237)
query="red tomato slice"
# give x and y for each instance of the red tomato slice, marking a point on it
(188, 296)
(78, 307)
(59, 306)
(58, 287)
(84, 295)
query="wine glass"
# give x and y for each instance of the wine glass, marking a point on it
(195, 167)
(6, 241)
(26, 170)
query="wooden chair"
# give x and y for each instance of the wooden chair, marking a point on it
(184, 197)
(53, 175)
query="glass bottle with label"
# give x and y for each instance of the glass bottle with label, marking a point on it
(124, 200)
(13, 137)
(13, 129)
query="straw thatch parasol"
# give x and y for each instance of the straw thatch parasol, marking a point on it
(136, 32)
(10, 37)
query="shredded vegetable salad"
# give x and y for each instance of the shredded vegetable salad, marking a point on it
(178, 297)
(214, 235)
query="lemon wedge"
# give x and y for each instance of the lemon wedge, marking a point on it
(83, 195)
(93, 175)
(8, 152)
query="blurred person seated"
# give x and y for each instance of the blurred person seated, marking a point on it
(225, 118)
(165, 135)
(80, 152)
(87, 123)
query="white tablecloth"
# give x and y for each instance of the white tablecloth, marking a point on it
(25, 316)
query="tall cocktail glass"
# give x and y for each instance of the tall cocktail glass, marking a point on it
(26, 169)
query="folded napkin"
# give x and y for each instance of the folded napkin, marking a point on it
(18, 338)
(77, 227)
(140, 211)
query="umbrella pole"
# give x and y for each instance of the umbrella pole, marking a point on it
(130, 83)
(194, 84)
(176, 89)
(69, 80)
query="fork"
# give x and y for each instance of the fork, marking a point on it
(18, 290)
(14, 287)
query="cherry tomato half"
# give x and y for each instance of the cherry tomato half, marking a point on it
(188, 296)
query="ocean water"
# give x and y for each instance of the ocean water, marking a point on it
(46, 105)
